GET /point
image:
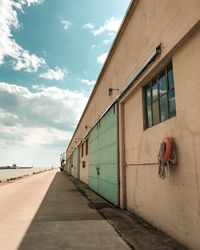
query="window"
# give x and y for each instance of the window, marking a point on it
(160, 97)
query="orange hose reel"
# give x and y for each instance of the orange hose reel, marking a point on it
(168, 149)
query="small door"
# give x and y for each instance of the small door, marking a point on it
(103, 157)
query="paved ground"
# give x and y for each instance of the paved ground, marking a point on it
(19, 202)
(138, 234)
(54, 211)
(47, 211)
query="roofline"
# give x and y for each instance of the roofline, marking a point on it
(131, 82)
(110, 53)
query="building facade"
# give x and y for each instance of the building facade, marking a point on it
(148, 89)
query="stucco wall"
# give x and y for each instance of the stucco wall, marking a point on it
(172, 204)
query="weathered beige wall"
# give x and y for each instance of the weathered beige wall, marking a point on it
(172, 204)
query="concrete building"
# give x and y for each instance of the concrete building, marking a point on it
(148, 89)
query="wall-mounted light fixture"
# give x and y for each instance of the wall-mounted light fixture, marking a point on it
(86, 127)
(110, 91)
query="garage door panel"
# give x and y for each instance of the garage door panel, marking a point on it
(103, 159)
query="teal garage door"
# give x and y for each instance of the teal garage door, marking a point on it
(103, 157)
(75, 163)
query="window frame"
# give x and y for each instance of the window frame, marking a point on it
(149, 118)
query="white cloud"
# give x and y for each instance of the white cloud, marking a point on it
(110, 38)
(89, 26)
(87, 82)
(111, 25)
(108, 41)
(29, 2)
(67, 24)
(56, 74)
(101, 59)
(41, 118)
(99, 31)
(21, 58)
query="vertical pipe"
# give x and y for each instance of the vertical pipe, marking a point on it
(78, 163)
(118, 152)
(122, 165)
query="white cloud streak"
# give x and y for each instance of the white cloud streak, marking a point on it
(111, 25)
(21, 59)
(108, 41)
(89, 26)
(101, 59)
(87, 82)
(67, 24)
(56, 74)
(29, 2)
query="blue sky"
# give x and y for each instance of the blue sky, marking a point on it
(51, 53)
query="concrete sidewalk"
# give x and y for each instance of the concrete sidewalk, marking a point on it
(136, 232)
(19, 202)
(64, 220)
(54, 211)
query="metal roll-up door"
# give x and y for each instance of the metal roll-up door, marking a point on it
(103, 157)
(75, 163)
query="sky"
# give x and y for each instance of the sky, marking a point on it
(51, 54)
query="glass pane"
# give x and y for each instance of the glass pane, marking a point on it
(148, 94)
(155, 90)
(170, 76)
(149, 116)
(155, 110)
(163, 108)
(172, 103)
(162, 83)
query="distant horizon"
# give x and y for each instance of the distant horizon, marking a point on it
(1, 166)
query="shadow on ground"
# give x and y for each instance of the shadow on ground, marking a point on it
(71, 216)
(62, 203)
(136, 232)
